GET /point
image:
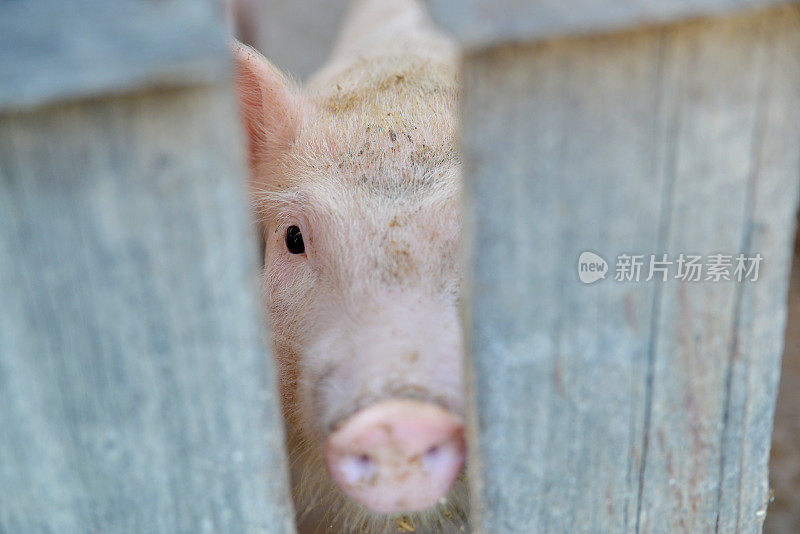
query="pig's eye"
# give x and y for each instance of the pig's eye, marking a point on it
(294, 240)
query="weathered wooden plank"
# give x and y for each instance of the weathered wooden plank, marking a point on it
(555, 365)
(479, 23)
(135, 384)
(736, 123)
(624, 406)
(52, 50)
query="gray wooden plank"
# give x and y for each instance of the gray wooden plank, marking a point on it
(479, 23)
(53, 50)
(556, 365)
(717, 357)
(135, 384)
(619, 406)
(754, 358)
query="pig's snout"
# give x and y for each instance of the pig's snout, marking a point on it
(397, 455)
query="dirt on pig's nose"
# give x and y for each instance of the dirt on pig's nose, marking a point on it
(397, 455)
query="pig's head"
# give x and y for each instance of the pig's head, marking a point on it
(355, 184)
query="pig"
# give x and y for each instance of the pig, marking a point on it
(355, 182)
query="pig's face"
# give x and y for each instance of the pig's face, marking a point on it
(361, 274)
(361, 230)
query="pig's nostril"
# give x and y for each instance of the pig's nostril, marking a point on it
(357, 468)
(440, 458)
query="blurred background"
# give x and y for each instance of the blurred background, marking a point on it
(299, 47)
(783, 516)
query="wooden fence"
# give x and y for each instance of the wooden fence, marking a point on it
(624, 406)
(136, 390)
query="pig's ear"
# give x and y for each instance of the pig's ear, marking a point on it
(269, 107)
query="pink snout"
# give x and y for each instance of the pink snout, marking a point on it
(397, 455)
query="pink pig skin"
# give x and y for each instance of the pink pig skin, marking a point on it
(364, 313)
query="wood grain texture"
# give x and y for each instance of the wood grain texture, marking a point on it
(137, 392)
(624, 406)
(479, 23)
(53, 50)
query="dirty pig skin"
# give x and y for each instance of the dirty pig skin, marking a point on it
(355, 184)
